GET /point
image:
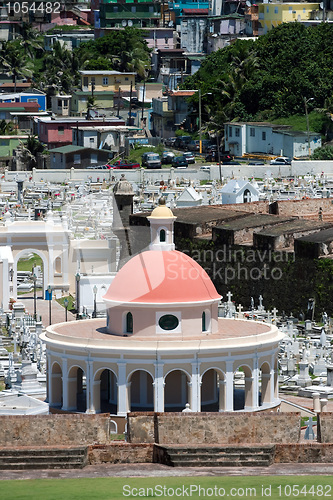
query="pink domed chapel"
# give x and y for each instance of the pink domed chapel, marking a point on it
(162, 345)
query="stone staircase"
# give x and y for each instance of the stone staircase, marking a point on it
(45, 457)
(214, 456)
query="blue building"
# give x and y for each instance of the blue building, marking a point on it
(28, 96)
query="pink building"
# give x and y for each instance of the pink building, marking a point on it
(59, 132)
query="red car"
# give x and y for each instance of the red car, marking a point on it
(124, 165)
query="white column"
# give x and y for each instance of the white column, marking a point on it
(255, 385)
(271, 386)
(195, 387)
(229, 378)
(159, 388)
(49, 380)
(90, 387)
(222, 395)
(122, 390)
(64, 384)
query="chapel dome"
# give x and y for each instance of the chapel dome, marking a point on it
(161, 211)
(160, 278)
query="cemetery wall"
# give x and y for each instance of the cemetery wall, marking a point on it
(49, 430)
(325, 427)
(303, 453)
(213, 428)
(301, 208)
(120, 453)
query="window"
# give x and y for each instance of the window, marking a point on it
(263, 136)
(168, 322)
(105, 80)
(115, 8)
(59, 103)
(126, 78)
(267, 10)
(203, 322)
(252, 132)
(162, 236)
(65, 103)
(61, 130)
(129, 323)
(77, 159)
(290, 9)
(247, 196)
(151, 8)
(133, 9)
(93, 158)
(31, 99)
(237, 132)
(230, 131)
(276, 10)
(58, 265)
(91, 139)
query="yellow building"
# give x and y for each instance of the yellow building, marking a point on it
(111, 81)
(273, 14)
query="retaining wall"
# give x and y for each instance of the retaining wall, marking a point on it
(214, 428)
(49, 430)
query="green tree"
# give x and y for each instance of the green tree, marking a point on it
(30, 39)
(29, 151)
(13, 63)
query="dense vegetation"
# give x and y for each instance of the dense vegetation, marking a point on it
(269, 78)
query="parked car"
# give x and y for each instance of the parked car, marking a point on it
(167, 157)
(189, 157)
(98, 167)
(170, 141)
(194, 145)
(179, 162)
(124, 165)
(182, 142)
(151, 160)
(281, 160)
(212, 155)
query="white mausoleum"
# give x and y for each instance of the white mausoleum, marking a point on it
(163, 344)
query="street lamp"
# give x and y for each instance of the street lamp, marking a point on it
(95, 293)
(49, 289)
(34, 278)
(66, 302)
(77, 277)
(306, 101)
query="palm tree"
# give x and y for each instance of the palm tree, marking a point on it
(30, 39)
(6, 128)
(13, 63)
(29, 151)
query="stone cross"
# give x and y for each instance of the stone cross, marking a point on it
(240, 307)
(252, 303)
(309, 434)
(274, 311)
(229, 295)
(260, 302)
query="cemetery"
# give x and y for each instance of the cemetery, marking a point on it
(150, 349)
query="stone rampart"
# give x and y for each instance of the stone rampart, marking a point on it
(120, 453)
(214, 428)
(52, 430)
(325, 427)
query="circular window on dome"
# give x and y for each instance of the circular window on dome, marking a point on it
(168, 322)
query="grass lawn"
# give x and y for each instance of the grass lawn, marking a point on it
(28, 264)
(273, 487)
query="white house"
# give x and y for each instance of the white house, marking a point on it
(237, 191)
(267, 138)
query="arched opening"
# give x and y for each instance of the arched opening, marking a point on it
(141, 394)
(213, 391)
(162, 236)
(77, 391)
(265, 382)
(108, 392)
(176, 391)
(247, 196)
(129, 323)
(243, 388)
(55, 398)
(28, 265)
